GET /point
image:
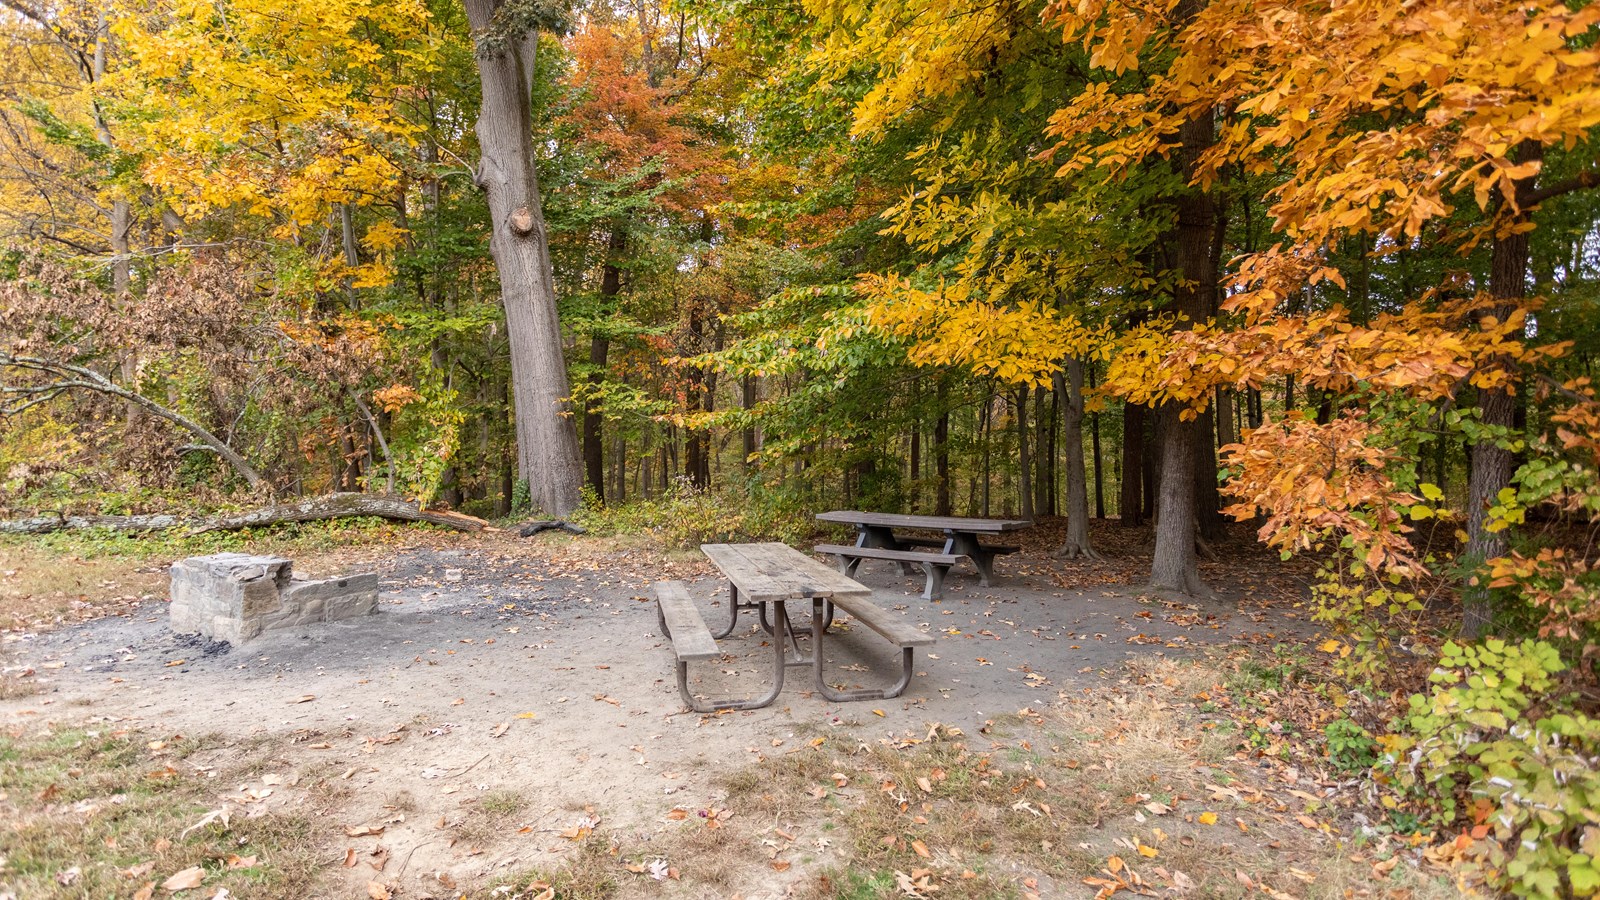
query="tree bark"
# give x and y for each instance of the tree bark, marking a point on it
(941, 451)
(338, 506)
(1099, 463)
(1070, 389)
(748, 439)
(594, 446)
(1175, 567)
(547, 440)
(1024, 456)
(1490, 468)
(1130, 511)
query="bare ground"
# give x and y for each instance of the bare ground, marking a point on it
(511, 709)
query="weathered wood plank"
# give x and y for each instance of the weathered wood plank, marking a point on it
(945, 559)
(768, 572)
(935, 523)
(691, 639)
(893, 628)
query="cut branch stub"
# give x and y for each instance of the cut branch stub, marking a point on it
(521, 222)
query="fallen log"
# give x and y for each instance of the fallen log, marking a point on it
(338, 506)
(47, 524)
(331, 506)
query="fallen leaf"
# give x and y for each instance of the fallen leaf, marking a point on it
(779, 865)
(362, 830)
(500, 729)
(146, 892)
(306, 698)
(921, 849)
(176, 662)
(377, 891)
(184, 880)
(1208, 818)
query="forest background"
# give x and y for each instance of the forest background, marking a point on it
(708, 267)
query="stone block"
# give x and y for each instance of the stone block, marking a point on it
(234, 597)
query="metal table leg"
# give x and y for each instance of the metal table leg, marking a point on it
(780, 621)
(887, 693)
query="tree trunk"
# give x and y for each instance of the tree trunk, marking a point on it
(747, 402)
(594, 447)
(1490, 469)
(1225, 432)
(1207, 499)
(1024, 457)
(1130, 504)
(1070, 389)
(941, 451)
(985, 426)
(547, 440)
(1175, 567)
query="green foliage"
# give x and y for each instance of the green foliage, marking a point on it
(288, 538)
(1496, 732)
(687, 517)
(1351, 748)
(1373, 615)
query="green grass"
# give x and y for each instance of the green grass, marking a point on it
(94, 813)
(175, 543)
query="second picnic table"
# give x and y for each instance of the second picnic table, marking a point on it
(876, 539)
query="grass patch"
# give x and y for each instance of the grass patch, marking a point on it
(98, 813)
(590, 874)
(176, 543)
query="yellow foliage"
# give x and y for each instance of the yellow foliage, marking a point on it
(1019, 343)
(280, 109)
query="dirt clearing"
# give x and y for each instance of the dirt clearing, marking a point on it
(508, 725)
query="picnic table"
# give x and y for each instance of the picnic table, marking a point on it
(876, 539)
(766, 577)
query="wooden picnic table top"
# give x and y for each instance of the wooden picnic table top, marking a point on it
(935, 523)
(769, 572)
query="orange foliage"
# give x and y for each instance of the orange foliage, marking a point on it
(1318, 482)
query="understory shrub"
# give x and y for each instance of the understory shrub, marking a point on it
(1498, 744)
(686, 517)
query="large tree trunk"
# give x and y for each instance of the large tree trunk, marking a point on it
(1175, 567)
(1490, 469)
(1071, 388)
(547, 439)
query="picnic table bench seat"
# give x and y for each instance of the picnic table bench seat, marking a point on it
(994, 549)
(892, 628)
(683, 626)
(935, 565)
